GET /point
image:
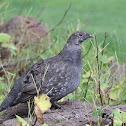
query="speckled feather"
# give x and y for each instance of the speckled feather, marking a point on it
(57, 81)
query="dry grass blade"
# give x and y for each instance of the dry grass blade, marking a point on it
(98, 71)
(87, 86)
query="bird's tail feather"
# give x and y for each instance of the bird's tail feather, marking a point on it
(5, 104)
(12, 96)
(8, 100)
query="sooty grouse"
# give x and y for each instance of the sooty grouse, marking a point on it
(62, 76)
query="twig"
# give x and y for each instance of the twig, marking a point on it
(98, 71)
(125, 65)
(87, 86)
(7, 64)
(103, 48)
(14, 63)
(65, 13)
(88, 50)
(49, 47)
(35, 121)
(104, 43)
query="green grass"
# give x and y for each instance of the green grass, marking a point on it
(96, 16)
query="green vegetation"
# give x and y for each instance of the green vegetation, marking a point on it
(95, 17)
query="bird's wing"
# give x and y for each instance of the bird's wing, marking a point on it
(60, 80)
(55, 75)
(30, 82)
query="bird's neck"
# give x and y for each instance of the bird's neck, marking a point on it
(72, 55)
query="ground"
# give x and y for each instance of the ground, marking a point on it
(73, 113)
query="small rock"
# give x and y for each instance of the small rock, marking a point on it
(25, 29)
(22, 31)
(118, 72)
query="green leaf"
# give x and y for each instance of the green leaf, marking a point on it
(104, 86)
(103, 59)
(4, 38)
(2, 97)
(21, 121)
(70, 96)
(86, 75)
(116, 90)
(13, 52)
(119, 117)
(85, 80)
(1, 78)
(2, 85)
(97, 112)
(123, 94)
(10, 46)
(11, 74)
(45, 124)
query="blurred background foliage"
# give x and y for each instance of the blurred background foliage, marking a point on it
(96, 17)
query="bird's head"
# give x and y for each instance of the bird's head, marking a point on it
(78, 37)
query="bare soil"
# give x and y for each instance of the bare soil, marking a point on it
(72, 113)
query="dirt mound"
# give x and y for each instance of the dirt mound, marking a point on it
(24, 32)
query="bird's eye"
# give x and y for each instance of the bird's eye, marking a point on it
(80, 34)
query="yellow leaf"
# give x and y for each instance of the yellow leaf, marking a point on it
(39, 115)
(42, 104)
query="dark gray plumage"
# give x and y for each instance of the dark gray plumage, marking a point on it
(62, 77)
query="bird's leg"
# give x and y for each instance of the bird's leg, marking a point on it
(55, 105)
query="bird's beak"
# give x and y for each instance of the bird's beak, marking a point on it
(87, 36)
(91, 36)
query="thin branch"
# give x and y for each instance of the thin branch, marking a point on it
(108, 89)
(65, 13)
(35, 121)
(88, 50)
(87, 86)
(103, 48)
(98, 71)
(125, 66)
(7, 64)
(14, 63)
(104, 43)
(51, 46)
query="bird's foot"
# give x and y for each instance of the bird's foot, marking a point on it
(55, 106)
